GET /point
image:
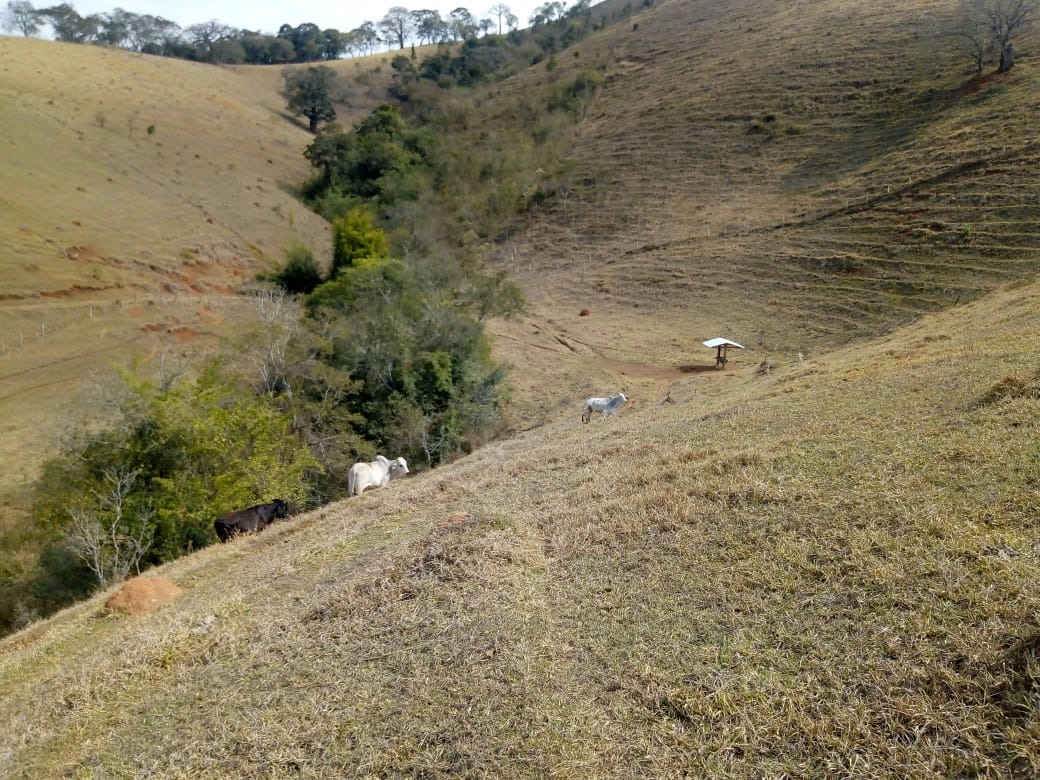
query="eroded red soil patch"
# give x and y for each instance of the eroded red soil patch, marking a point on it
(81, 253)
(78, 289)
(142, 595)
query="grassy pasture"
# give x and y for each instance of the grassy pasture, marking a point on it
(829, 571)
(793, 175)
(820, 562)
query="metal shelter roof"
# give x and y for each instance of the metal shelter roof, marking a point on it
(718, 342)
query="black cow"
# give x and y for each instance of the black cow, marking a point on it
(256, 518)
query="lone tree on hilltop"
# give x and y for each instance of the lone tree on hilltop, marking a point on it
(397, 26)
(308, 92)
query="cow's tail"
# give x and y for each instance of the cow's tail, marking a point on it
(586, 413)
(351, 482)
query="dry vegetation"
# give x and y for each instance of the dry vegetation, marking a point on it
(793, 175)
(830, 572)
(815, 565)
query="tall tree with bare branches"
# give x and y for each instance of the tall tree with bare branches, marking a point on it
(503, 13)
(397, 26)
(106, 533)
(985, 26)
(1006, 19)
(21, 16)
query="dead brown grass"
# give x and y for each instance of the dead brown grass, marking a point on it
(882, 189)
(827, 569)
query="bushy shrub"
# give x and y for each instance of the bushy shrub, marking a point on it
(578, 91)
(172, 458)
(355, 237)
(300, 274)
(428, 386)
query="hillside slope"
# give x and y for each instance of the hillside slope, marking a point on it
(819, 562)
(826, 570)
(136, 195)
(789, 174)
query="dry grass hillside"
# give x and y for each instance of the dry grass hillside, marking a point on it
(789, 174)
(825, 571)
(819, 562)
(137, 195)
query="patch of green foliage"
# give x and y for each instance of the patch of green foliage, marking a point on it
(429, 388)
(309, 94)
(301, 272)
(390, 355)
(378, 159)
(146, 487)
(478, 60)
(573, 95)
(356, 237)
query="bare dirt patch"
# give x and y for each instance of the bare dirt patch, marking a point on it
(184, 334)
(81, 253)
(142, 595)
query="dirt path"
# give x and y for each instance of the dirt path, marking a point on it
(651, 371)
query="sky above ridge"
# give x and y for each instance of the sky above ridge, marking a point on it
(269, 17)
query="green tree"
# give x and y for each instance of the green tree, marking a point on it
(333, 44)
(429, 27)
(309, 94)
(428, 385)
(263, 49)
(491, 296)
(227, 51)
(308, 41)
(397, 26)
(69, 26)
(405, 74)
(356, 237)
(147, 487)
(381, 158)
(462, 24)
(289, 359)
(300, 274)
(205, 35)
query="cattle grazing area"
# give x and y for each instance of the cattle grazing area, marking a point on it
(375, 474)
(607, 406)
(817, 559)
(255, 518)
(777, 582)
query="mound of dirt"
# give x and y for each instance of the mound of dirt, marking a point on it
(142, 595)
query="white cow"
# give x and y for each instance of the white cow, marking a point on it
(374, 474)
(606, 405)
